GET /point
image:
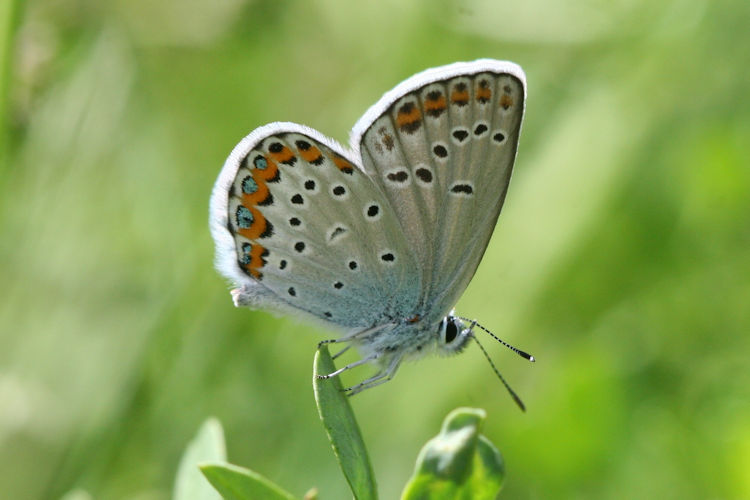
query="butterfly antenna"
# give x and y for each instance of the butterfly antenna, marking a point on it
(497, 372)
(518, 351)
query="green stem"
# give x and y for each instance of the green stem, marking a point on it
(8, 11)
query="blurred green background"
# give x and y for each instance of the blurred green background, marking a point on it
(621, 260)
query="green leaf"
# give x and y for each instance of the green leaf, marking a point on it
(77, 494)
(207, 446)
(238, 483)
(341, 426)
(459, 463)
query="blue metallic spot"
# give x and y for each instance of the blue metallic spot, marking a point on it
(245, 257)
(249, 186)
(244, 217)
(260, 162)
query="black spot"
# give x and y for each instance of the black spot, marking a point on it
(303, 145)
(499, 137)
(282, 264)
(231, 190)
(339, 190)
(388, 257)
(276, 177)
(462, 188)
(269, 230)
(276, 147)
(318, 161)
(352, 265)
(337, 232)
(461, 135)
(460, 86)
(300, 246)
(338, 285)
(297, 199)
(433, 95)
(373, 210)
(451, 331)
(268, 200)
(399, 176)
(411, 127)
(327, 314)
(424, 174)
(229, 227)
(407, 108)
(294, 221)
(483, 95)
(507, 89)
(292, 291)
(310, 184)
(440, 151)
(481, 129)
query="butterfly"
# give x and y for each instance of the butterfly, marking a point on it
(379, 240)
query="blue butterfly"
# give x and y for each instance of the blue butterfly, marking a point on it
(377, 241)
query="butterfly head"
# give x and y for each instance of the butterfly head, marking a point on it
(453, 335)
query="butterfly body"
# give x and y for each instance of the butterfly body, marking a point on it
(379, 240)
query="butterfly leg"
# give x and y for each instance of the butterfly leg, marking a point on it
(362, 361)
(342, 351)
(336, 341)
(351, 336)
(379, 378)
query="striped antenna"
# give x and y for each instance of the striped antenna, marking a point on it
(518, 351)
(510, 391)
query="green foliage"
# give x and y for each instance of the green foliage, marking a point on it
(459, 463)
(207, 446)
(620, 259)
(342, 428)
(238, 483)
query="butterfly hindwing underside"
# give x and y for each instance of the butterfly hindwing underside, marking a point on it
(299, 212)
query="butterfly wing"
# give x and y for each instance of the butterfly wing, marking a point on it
(301, 229)
(442, 146)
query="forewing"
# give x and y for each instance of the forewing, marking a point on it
(442, 146)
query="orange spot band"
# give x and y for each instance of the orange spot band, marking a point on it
(460, 96)
(404, 119)
(283, 156)
(310, 155)
(269, 173)
(342, 164)
(260, 194)
(437, 104)
(258, 226)
(506, 101)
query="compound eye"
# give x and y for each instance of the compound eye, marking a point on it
(451, 332)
